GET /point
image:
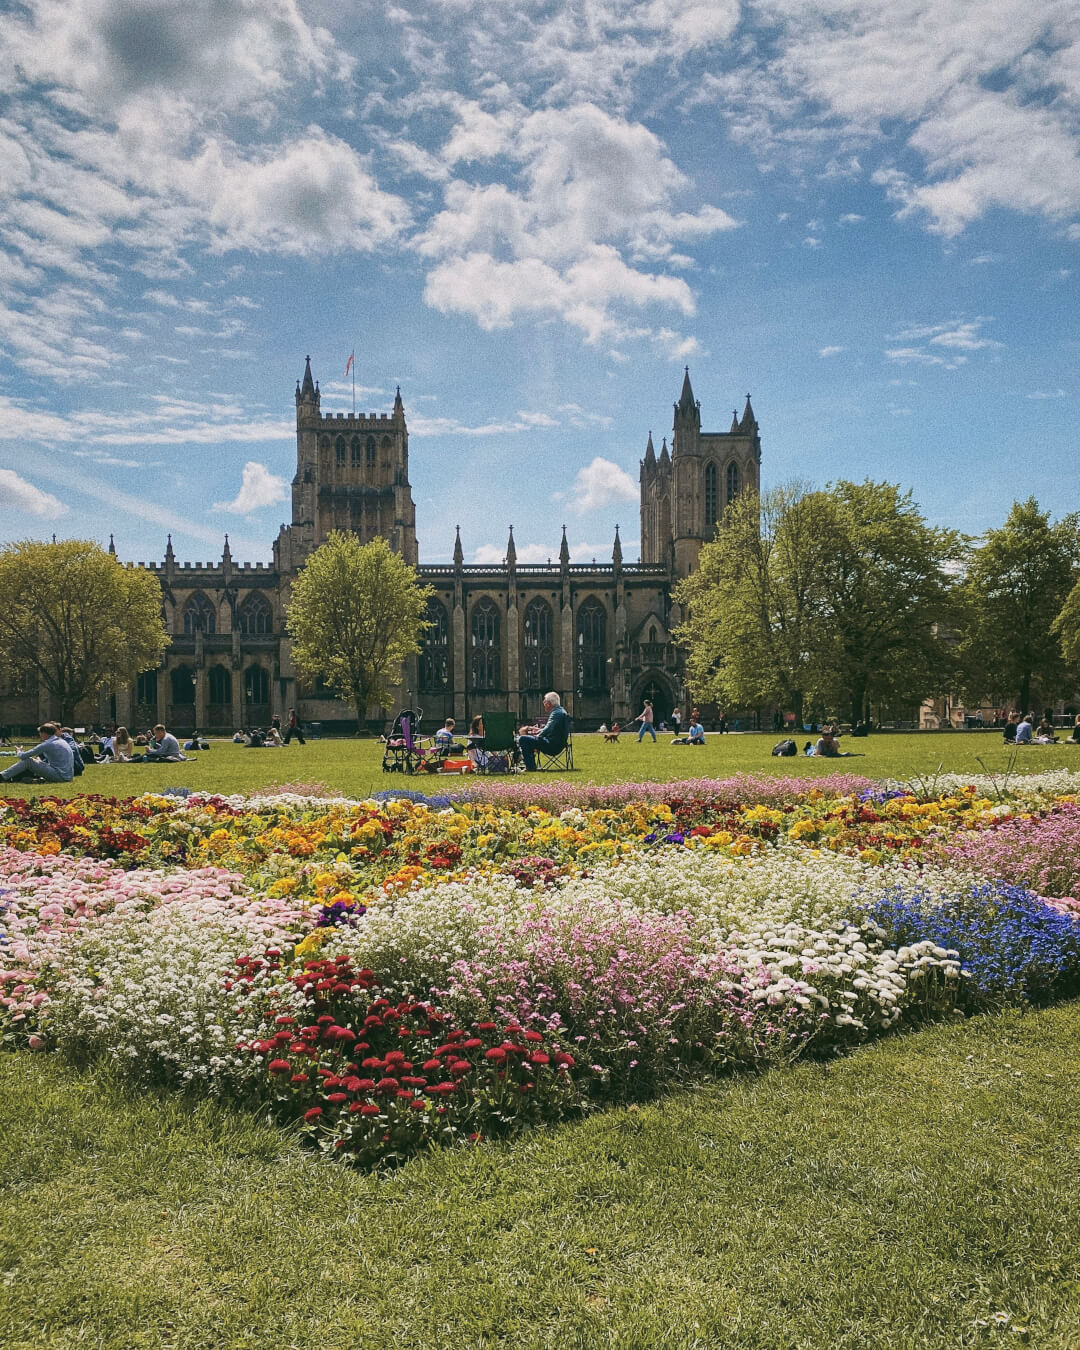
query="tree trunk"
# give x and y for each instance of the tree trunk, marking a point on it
(858, 698)
(1025, 693)
(797, 707)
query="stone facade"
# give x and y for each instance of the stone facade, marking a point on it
(501, 636)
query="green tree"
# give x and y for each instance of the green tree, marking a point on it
(357, 613)
(893, 581)
(1067, 628)
(1017, 587)
(76, 620)
(754, 607)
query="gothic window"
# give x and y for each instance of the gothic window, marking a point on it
(255, 618)
(354, 447)
(183, 685)
(712, 497)
(592, 647)
(219, 682)
(537, 638)
(369, 451)
(435, 651)
(339, 452)
(146, 693)
(732, 481)
(256, 686)
(199, 616)
(485, 645)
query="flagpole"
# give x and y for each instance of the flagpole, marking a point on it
(354, 383)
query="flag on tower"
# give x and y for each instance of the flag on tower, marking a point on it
(349, 362)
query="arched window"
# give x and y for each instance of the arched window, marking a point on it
(255, 618)
(485, 645)
(712, 497)
(732, 482)
(354, 448)
(592, 647)
(199, 616)
(339, 452)
(435, 651)
(536, 635)
(256, 687)
(219, 685)
(146, 697)
(182, 685)
(369, 451)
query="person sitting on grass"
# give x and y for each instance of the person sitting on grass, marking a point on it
(828, 747)
(1023, 730)
(1044, 733)
(51, 760)
(1075, 737)
(695, 735)
(165, 750)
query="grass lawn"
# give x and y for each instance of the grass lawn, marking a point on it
(353, 766)
(921, 1192)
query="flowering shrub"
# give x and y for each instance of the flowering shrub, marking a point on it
(378, 1080)
(1013, 947)
(1041, 852)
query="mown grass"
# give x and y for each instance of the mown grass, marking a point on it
(353, 766)
(920, 1192)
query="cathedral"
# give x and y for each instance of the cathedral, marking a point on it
(500, 635)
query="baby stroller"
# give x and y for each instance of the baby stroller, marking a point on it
(405, 751)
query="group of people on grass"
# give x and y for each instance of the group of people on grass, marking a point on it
(1020, 729)
(550, 738)
(695, 732)
(59, 758)
(255, 738)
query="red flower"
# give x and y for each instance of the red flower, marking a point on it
(312, 1114)
(298, 1078)
(336, 1098)
(533, 1036)
(459, 1067)
(372, 1064)
(415, 1082)
(538, 1057)
(387, 1085)
(280, 1066)
(485, 1026)
(285, 1021)
(352, 1083)
(363, 1085)
(443, 1089)
(497, 1054)
(473, 1043)
(432, 1065)
(369, 1109)
(404, 1095)
(564, 1060)
(395, 1057)
(418, 1105)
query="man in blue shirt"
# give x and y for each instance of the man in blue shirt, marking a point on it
(552, 736)
(51, 759)
(1023, 731)
(166, 748)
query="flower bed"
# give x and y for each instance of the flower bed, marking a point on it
(589, 948)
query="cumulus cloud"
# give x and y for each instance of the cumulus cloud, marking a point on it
(831, 351)
(600, 484)
(258, 488)
(16, 494)
(923, 343)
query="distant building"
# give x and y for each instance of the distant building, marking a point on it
(500, 636)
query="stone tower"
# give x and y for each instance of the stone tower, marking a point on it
(684, 494)
(352, 473)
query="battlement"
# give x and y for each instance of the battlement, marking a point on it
(359, 419)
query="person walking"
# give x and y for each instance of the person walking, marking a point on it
(645, 717)
(294, 729)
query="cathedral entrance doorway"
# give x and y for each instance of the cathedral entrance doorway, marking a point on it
(256, 697)
(658, 691)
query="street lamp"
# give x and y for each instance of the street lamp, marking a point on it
(194, 702)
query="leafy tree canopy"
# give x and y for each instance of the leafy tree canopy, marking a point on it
(1018, 582)
(76, 620)
(357, 613)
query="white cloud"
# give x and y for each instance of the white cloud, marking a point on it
(16, 494)
(831, 351)
(1046, 394)
(957, 336)
(258, 488)
(599, 484)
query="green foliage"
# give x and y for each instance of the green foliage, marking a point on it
(77, 620)
(913, 1194)
(835, 597)
(1067, 628)
(356, 615)
(1018, 582)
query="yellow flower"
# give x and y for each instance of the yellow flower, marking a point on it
(311, 943)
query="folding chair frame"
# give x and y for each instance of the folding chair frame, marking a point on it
(562, 761)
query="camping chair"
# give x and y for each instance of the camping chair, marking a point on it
(497, 751)
(557, 761)
(405, 751)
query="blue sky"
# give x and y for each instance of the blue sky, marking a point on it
(866, 214)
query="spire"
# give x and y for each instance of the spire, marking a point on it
(665, 458)
(112, 546)
(564, 550)
(734, 421)
(459, 556)
(749, 421)
(616, 552)
(306, 391)
(511, 551)
(170, 556)
(686, 398)
(399, 407)
(226, 553)
(649, 462)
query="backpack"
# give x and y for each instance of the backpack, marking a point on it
(785, 748)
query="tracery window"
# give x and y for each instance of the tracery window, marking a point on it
(537, 640)
(712, 497)
(484, 633)
(255, 617)
(199, 616)
(339, 452)
(592, 647)
(369, 451)
(354, 446)
(435, 651)
(733, 483)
